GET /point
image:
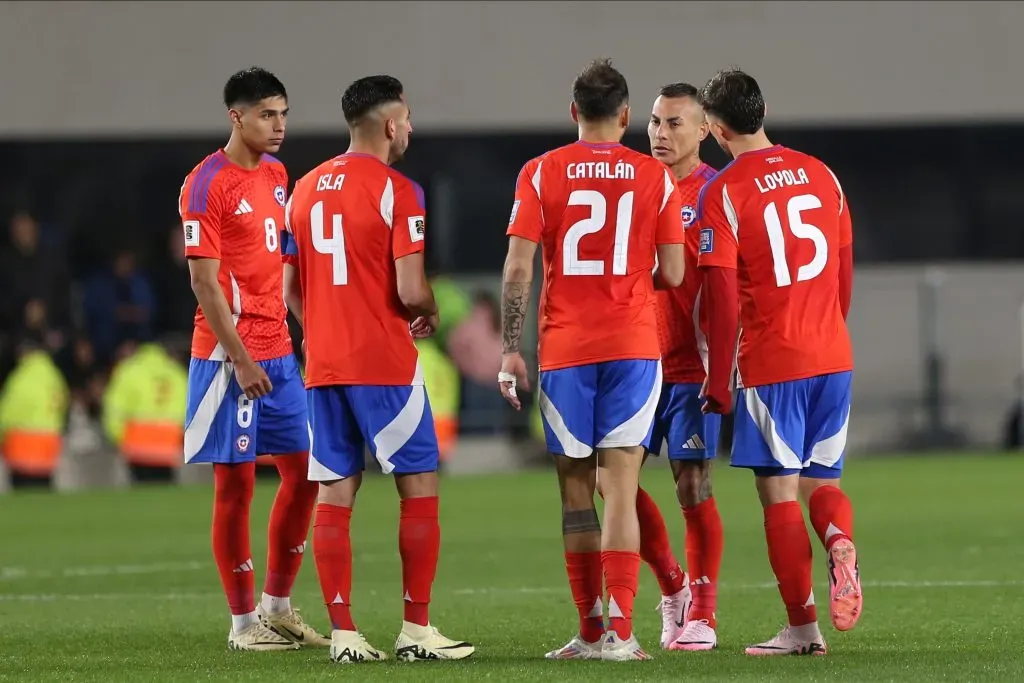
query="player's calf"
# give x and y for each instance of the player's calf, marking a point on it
(704, 536)
(832, 518)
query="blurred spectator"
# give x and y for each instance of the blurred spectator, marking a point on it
(35, 286)
(144, 411)
(175, 302)
(475, 347)
(85, 378)
(33, 413)
(119, 306)
(452, 302)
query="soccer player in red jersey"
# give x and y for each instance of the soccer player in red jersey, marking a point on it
(355, 278)
(245, 393)
(676, 129)
(776, 237)
(601, 213)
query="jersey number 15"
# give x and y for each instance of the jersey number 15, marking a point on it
(799, 229)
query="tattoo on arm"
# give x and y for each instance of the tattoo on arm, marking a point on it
(580, 522)
(514, 298)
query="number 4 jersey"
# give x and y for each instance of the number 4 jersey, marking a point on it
(598, 211)
(234, 215)
(779, 218)
(348, 221)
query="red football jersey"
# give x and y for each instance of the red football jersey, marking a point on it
(348, 221)
(779, 218)
(235, 215)
(598, 211)
(681, 326)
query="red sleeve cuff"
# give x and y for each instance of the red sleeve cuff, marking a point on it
(722, 305)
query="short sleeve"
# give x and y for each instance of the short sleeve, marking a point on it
(201, 207)
(527, 218)
(289, 249)
(670, 220)
(718, 246)
(409, 219)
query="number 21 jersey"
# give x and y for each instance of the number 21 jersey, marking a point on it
(347, 222)
(598, 211)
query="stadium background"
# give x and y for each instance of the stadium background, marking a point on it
(923, 129)
(917, 107)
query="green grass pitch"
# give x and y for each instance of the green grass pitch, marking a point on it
(120, 585)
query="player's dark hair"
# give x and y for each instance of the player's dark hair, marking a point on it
(674, 90)
(252, 85)
(367, 94)
(599, 91)
(734, 97)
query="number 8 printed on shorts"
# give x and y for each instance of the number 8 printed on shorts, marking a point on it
(244, 412)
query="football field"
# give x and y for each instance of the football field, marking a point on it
(120, 585)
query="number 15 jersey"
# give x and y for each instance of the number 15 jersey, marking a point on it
(347, 222)
(598, 211)
(779, 218)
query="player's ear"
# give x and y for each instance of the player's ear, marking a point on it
(574, 113)
(235, 117)
(624, 117)
(390, 128)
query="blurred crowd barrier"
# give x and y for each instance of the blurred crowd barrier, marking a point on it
(938, 354)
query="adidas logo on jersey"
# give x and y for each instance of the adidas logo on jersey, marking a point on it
(694, 442)
(243, 207)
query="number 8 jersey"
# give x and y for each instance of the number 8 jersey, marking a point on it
(598, 211)
(347, 222)
(779, 218)
(235, 215)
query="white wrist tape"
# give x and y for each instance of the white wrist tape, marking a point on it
(510, 378)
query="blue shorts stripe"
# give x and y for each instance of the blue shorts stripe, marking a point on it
(797, 427)
(223, 426)
(394, 422)
(601, 405)
(679, 423)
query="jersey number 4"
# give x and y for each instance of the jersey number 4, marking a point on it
(333, 246)
(571, 263)
(799, 229)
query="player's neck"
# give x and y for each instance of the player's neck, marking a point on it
(369, 148)
(601, 134)
(749, 143)
(241, 154)
(684, 167)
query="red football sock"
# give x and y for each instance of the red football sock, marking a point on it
(289, 523)
(831, 515)
(232, 493)
(704, 543)
(789, 552)
(655, 548)
(621, 576)
(586, 579)
(332, 552)
(419, 543)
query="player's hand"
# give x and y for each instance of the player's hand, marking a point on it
(424, 326)
(513, 374)
(719, 401)
(253, 380)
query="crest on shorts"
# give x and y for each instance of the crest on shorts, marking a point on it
(689, 215)
(707, 240)
(279, 195)
(243, 443)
